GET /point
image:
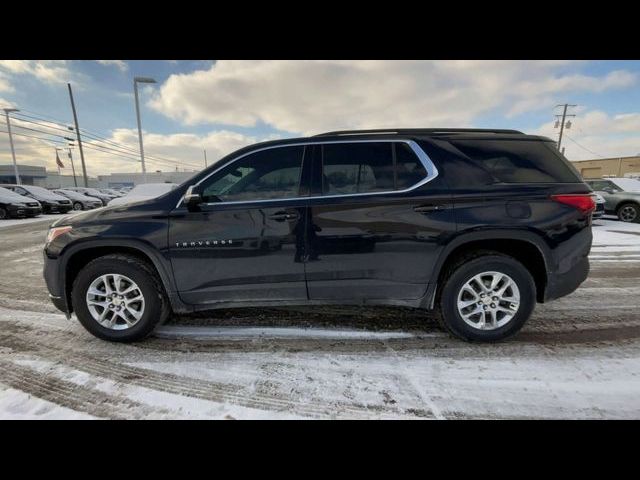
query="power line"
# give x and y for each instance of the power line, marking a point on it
(102, 139)
(120, 148)
(583, 147)
(33, 136)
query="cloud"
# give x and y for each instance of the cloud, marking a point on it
(598, 135)
(48, 71)
(5, 86)
(161, 151)
(312, 96)
(119, 64)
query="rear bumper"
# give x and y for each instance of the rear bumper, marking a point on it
(559, 285)
(599, 211)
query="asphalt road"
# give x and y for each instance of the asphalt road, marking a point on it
(578, 357)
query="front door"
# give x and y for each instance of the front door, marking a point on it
(246, 242)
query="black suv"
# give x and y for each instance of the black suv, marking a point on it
(477, 225)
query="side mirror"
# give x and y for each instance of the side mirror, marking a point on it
(193, 197)
(609, 190)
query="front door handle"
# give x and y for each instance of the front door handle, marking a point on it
(428, 208)
(282, 216)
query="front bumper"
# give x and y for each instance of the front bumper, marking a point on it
(54, 283)
(56, 207)
(23, 211)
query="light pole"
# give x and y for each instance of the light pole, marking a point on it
(137, 80)
(7, 111)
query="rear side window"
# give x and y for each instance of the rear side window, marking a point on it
(518, 161)
(369, 167)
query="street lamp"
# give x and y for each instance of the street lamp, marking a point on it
(7, 111)
(137, 80)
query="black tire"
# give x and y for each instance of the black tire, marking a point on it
(156, 304)
(3, 213)
(629, 212)
(469, 266)
(78, 206)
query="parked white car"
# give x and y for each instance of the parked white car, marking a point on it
(144, 192)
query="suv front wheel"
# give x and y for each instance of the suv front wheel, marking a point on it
(487, 297)
(119, 298)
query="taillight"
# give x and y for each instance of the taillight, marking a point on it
(586, 202)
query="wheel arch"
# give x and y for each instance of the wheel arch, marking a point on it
(525, 246)
(77, 256)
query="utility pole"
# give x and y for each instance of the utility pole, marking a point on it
(75, 120)
(205, 158)
(562, 122)
(13, 151)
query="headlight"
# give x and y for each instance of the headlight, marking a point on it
(56, 232)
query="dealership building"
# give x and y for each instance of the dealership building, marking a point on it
(39, 176)
(609, 167)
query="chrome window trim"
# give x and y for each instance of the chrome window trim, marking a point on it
(432, 171)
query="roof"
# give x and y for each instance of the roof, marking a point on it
(418, 131)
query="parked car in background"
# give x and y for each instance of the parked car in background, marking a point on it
(79, 200)
(144, 192)
(621, 195)
(476, 225)
(92, 192)
(110, 191)
(50, 202)
(14, 205)
(599, 211)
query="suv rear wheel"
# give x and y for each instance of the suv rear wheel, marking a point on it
(119, 298)
(629, 212)
(487, 297)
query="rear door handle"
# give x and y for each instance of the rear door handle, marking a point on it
(428, 208)
(282, 216)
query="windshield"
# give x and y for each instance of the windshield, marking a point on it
(41, 192)
(69, 193)
(93, 191)
(10, 196)
(627, 184)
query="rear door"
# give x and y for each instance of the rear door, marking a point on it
(375, 225)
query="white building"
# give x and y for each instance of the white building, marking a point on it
(118, 180)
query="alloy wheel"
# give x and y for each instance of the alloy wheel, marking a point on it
(115, 301)
(488, 300)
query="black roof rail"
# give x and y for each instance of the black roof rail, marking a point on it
(417, 131)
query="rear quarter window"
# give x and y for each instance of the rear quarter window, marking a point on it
(518, 161)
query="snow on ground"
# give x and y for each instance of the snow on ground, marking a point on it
(17, 405)
(578, 357)
(615, 241)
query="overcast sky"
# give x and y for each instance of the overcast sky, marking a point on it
(224, 105)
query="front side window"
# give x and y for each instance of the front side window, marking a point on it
(269, 174)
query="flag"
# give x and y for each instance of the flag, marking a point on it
(58, 161)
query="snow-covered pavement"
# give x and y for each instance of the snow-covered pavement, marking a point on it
(578, 357)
